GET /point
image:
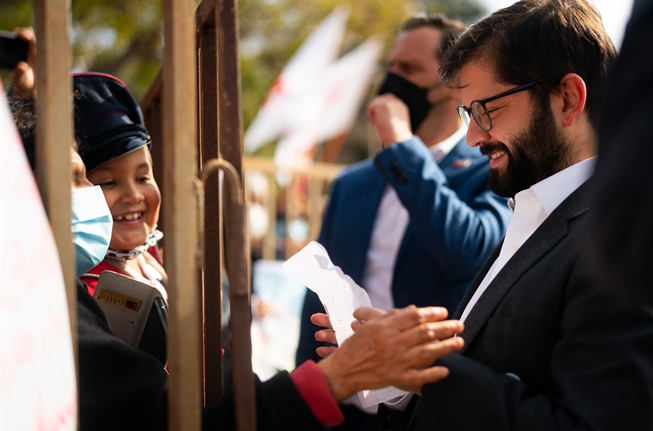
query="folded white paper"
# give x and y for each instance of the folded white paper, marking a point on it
(340, 296)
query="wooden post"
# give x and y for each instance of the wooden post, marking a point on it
(180, 211)
(54, 135)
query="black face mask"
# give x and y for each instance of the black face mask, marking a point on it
(413, 96)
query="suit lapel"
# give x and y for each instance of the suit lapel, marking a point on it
(550, 233)
(477, 281)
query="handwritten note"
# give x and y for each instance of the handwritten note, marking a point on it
(37, 373)
(340, 296)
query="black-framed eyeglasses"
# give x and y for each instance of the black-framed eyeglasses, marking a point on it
(478, 110)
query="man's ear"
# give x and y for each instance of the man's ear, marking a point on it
(573, 95)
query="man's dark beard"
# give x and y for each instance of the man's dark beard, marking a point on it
(536, 154)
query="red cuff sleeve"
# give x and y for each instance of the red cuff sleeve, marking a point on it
(91, 284)
(313, 388)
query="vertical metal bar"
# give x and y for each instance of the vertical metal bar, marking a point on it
(54, 135)
(212, 286)
(237, 256)
(180, 210)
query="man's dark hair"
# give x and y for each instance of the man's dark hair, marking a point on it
(539, 39)
(450, 28)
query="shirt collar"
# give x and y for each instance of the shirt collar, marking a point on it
(444, 147)
(553, 190)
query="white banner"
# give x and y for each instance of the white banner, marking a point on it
(37, 371)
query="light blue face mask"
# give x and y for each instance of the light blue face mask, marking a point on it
(91, 225)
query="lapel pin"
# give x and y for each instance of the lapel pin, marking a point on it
(462, 163)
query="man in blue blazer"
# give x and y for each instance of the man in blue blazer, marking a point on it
(414, 224)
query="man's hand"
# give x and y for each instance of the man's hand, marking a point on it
(392, 349)
(22, 77)
(391, 118)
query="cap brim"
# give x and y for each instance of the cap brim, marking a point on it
(113, 150)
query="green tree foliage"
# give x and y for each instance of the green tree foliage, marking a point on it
(119, 37)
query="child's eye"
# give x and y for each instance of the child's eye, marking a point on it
(143, 179)
(107, 183)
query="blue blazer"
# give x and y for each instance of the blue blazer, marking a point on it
(455, 223)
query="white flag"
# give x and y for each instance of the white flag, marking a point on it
(299, 77)
(346, 83)
(331, 109)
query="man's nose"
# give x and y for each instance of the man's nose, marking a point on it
(475, 135)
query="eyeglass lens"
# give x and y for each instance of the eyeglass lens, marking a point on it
(464, 115)
(481, 115)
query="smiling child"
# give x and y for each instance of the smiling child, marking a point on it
(116, 151)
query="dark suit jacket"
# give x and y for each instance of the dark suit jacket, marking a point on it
(580, 352)
(598, 373)
(578, 331)
(455, 222)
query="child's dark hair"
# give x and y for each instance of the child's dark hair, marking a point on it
(23, 109)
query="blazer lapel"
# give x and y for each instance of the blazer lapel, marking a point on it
(552, 231)
(477, 281)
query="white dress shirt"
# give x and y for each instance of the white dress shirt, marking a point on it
(530, 208)
(388, 231)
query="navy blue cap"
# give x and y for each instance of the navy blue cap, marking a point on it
(108, 121)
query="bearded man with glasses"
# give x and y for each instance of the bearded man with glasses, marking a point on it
(544, 348)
